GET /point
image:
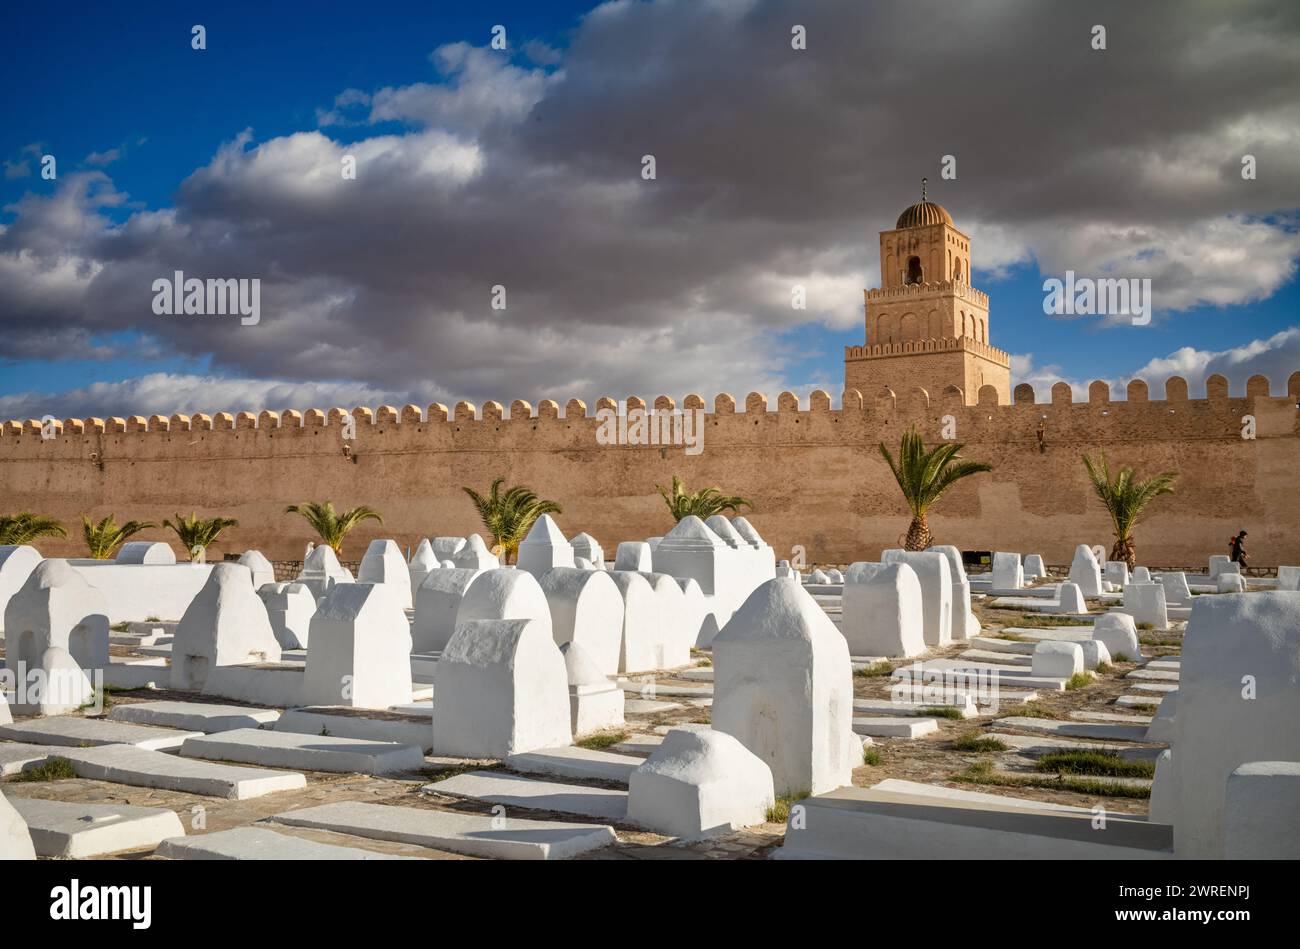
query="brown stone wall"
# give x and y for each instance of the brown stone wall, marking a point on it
(815, 475)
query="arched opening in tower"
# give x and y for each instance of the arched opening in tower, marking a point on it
(914, 273)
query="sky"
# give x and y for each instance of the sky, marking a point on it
(479, 169)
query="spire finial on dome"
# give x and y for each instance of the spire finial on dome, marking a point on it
(923, 182)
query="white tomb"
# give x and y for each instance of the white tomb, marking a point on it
(699, 625)
(475, 555)
(1177, 593)
(641, 648)
(437, 604)
(61, 686)
(544, 548)
(1141, 574)
(1146, 602)
(1033, 567)
(586, 608)
(421, 564)
(676, 637)
(719, 524)
(1069, 599)
(965, 624)
(383, 563)
(152, 552)
(1237, 695)
(882, 611)
(1085, 571)
(15, 841)
(289, 607)
(360, 653)
(226, 624)
(1221, 563)
(505, 594)
(699, 782)
(321, 570)
(1008, 574)
(1116, 572)
(1118, 632)
(1231, 583)
(1161, 727)
(16, 564)
(502, 689)
(783, 685)
(818, 577)
(446, 548)
(1095, 654)
(634, 555)
(56, 608)
(595, 700)
(588, 548)
(261, 568)
(1054, 659)
(1262, 811)
(1288, 578)
(936, 591)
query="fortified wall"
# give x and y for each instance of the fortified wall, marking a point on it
(814, 473)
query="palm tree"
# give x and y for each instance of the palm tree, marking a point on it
(331, 526)
(923, 477)
(103, 539)
(24, 527)
(508, 517)
(195, 532)
(1126, 501)
(703, 503)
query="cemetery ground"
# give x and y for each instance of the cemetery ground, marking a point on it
(969, 754)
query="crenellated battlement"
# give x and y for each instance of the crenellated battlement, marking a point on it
(1138, 392)
(963, 291)
(922, 346)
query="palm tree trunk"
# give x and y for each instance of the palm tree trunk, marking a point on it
(918, 535)
(1125, 550)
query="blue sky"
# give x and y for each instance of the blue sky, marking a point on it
(109, 77)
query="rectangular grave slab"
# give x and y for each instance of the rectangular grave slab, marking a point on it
(891, 726)
(1154, 675)
(640, 745)
(478, 835)
(398, 727)
(667, 687)
(514, 791)
(80, 831)
(880, 707)
(17, 756)
(72, 731)
(1035, 746)
(1100, 731)
(309, 752)
(647, 706)
(576, 762)
(136, 674)
(126, 764)
(193, 716)
(900, 785)
(859, 823)
(1088, 715)
(1158, 687)
(259, 843)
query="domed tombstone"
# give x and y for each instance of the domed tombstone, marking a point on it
(588, 548)
(964, 623)
(437, 604)
(634, 555)
(1085, 572)
(544, 548)
(422, 561)
(595, 700)
(475, 555)
(748, 533)
(675, 639)
(226, 624)
(383, 563)
(360, 651)
(263, 572)
(1177, 592)
(698, 624)
(835, 576)
(882, 611)
(639, 644)
(719, 524)
(1141, 575)
(818, 577)
(289, 607)
(1033, 567)
(15, 839)
(446, 548)
(16, 564)
(1008, 573)
(697, 783)
(586, 608)
(505, 594)
(1231, 583)
(936, 591)
(1116, 572)
(1237, 683)
(1118, 633)
(501, 688)
(152, 552)
(1070, 599)
(56, 607)
(1146, 603)
(785, 571)
(1095, 654)
(1054, 659)
(321, 570)
(58, 687)
(783, 685)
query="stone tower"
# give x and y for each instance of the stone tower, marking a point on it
(927, 326)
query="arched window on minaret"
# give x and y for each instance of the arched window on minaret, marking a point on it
(956, 272)
(914, 272)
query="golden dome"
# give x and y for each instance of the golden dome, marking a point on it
(922, 214)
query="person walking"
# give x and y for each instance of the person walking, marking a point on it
(1238, 548)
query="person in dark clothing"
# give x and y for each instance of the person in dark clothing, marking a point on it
(1238, 547)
